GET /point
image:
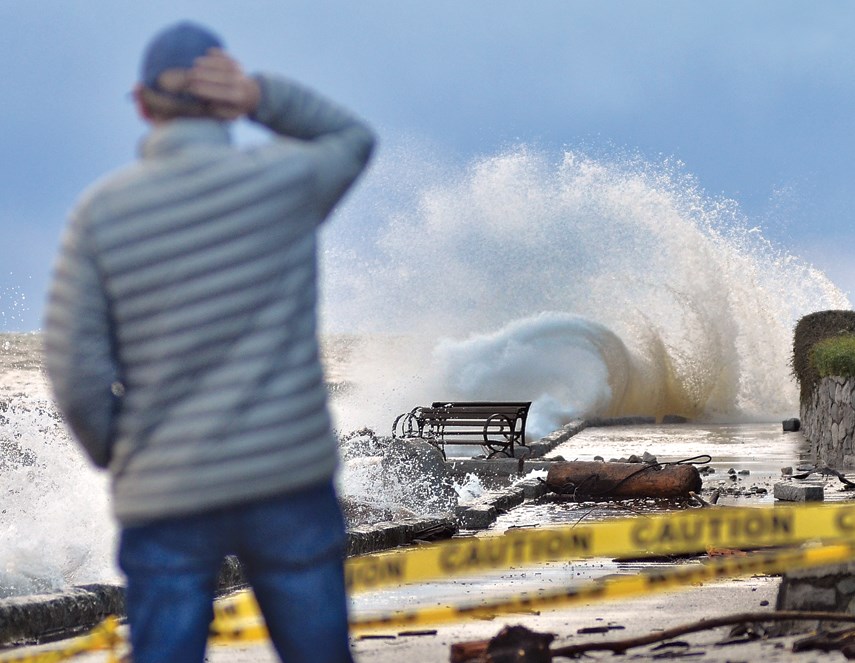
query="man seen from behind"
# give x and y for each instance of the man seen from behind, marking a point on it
(181, 343)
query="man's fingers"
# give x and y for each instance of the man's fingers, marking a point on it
(216, 77)
(216, 65)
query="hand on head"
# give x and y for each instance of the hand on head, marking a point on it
(218, 79)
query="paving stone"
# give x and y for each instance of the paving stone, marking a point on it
(503, 500)
(479, 516)
(846, 586)
(533, 488)
(804, 596)
(794, 492)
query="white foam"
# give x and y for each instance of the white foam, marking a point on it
(588, 285)
(469, 489)
(56, 521)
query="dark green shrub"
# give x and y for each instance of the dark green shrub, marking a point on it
(834, 356)
(809, 331)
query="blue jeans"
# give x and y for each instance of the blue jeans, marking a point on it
(291, 548)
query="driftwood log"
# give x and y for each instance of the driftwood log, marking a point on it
(596, 479)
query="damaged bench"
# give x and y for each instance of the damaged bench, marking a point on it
(498, 427)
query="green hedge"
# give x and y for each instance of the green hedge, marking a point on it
(809, 331)
(834, 356)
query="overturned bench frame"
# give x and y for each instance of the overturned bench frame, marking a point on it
(496, 426)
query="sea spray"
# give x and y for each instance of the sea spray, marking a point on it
(386, 478)
(55, 518)
(469, 270)
(469, 488)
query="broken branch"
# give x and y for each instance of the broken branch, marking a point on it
(620, 646)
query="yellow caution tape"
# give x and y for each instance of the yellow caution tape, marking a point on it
(104, 636)
(237, 618)
(614, 588)
(242, 623)
(237, 630)
(683, 532)
(638, 536)
(235, 607)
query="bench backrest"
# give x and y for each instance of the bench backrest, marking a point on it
(471, 418)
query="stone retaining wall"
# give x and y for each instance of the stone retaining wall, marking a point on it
(828, 422)
(829, 588)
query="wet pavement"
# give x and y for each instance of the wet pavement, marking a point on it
(746, 461)
(759, 451)
(755, 452)
(624, 619)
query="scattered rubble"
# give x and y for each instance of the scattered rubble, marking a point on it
(517, 644)
(792, 425)
(798, 492)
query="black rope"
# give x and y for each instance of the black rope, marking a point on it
(691, 461)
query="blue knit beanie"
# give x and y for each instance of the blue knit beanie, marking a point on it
(175, 47)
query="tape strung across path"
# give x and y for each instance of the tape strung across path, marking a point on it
(105, 636)
(237, 618)
(682, 532)
(614, 588)
(241, 621)
(639, 536)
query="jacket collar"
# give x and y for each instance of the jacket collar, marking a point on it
(176, 135)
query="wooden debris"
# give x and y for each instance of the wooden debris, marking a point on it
(842, 640)
(470, 651)
(704, 503)
(423, 632)
(594, 480)
(514, 637)
(726, 552)
(513, 644)
(620, 646)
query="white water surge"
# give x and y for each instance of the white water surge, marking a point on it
(55, 518)
(589, 286)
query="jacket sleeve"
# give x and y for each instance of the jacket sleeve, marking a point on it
(338, 143)
(79, 353)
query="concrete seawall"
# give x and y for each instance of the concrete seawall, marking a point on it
(43, 618)
(28, 619)
(828, 421)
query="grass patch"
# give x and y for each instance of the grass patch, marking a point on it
(834, 356)
(809, 331)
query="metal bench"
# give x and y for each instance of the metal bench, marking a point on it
(496, 426)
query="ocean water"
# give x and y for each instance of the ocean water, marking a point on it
(54, 519)
(588, 285)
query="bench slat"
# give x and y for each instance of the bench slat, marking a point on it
(496, 426)
(463, 421)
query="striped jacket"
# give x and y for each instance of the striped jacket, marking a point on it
(180, 330)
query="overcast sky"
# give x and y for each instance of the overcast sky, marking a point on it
(756, 98)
